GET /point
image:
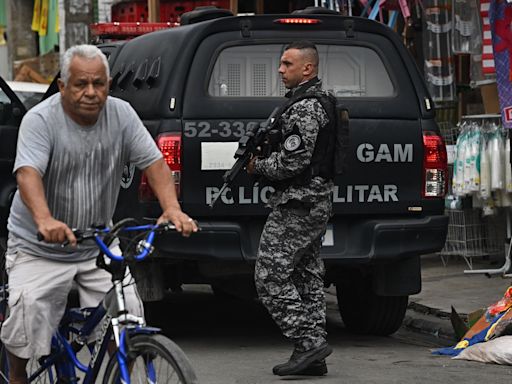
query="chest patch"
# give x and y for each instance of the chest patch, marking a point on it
(292, 143)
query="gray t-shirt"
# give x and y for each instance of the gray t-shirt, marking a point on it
(81, 167)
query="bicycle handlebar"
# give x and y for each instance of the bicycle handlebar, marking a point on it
(144, 246)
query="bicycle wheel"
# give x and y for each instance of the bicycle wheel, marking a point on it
(48, 375)
(153, 359)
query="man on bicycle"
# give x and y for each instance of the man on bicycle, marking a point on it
(71, 152)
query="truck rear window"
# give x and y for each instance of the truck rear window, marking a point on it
(251, 71)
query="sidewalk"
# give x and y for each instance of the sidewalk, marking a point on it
(447, 286)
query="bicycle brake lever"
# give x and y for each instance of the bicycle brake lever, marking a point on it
(164, 227)
(79, 234)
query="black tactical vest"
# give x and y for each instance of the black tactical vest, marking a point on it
(322, 162)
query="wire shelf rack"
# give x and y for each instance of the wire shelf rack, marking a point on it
(449, 132)
(470, 236)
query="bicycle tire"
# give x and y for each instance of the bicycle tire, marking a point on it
(160, 351)
(49, 376)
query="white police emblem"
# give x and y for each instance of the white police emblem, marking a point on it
(292, 142)
(127, 176)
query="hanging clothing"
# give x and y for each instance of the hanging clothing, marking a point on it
(45, 21)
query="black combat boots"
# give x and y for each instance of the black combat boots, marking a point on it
(316, 368)
(308, 363)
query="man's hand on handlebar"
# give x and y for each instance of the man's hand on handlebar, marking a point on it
(55, 231)
(183, 223)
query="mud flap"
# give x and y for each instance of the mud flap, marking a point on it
(399, 278)
(149, 279)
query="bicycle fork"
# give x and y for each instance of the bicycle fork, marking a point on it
(121, 335)
(122, 358)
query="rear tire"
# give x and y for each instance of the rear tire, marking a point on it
(365, 312)
(167, 360)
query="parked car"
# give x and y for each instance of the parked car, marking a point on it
(198, 87)
(29, 93)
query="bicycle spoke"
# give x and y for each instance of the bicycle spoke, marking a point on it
(154, 359)
(150, 369)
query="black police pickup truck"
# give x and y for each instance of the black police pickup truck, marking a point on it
(200, 86)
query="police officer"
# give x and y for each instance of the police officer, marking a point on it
(289, 272)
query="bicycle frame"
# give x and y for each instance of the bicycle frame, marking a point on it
(64, 356)
(115, 321)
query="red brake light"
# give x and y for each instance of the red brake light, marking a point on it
(297, 20)
(435, 165)
(170, 146)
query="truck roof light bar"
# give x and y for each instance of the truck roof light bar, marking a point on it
(297, 20)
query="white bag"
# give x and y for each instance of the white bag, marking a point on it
(497, 351)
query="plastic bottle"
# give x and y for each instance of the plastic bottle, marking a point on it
(461, 152)
(485, 170)
(497, 155)
(475, 160)
(467, 164)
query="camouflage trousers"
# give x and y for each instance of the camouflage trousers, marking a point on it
(289, 272)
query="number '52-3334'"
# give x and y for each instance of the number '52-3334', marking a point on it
(224, 129)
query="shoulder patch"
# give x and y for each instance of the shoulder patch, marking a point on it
(292, 143)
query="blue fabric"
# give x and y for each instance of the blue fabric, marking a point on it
(478, 338)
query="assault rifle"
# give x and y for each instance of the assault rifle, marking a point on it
(249, 145)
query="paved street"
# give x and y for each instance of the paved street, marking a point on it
(231, 342)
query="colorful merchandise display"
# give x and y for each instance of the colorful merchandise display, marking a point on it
(482, 164)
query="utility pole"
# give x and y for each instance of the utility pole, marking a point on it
(233, 6)
(154, 11)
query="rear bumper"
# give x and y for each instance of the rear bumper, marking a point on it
(384, 240)
(355, 240)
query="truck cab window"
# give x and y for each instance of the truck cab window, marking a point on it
(251, 71)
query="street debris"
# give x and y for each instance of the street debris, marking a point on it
(488, 339)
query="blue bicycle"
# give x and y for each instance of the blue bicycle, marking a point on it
(142, 353)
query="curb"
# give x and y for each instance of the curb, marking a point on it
(420, 308)
(429, 321)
